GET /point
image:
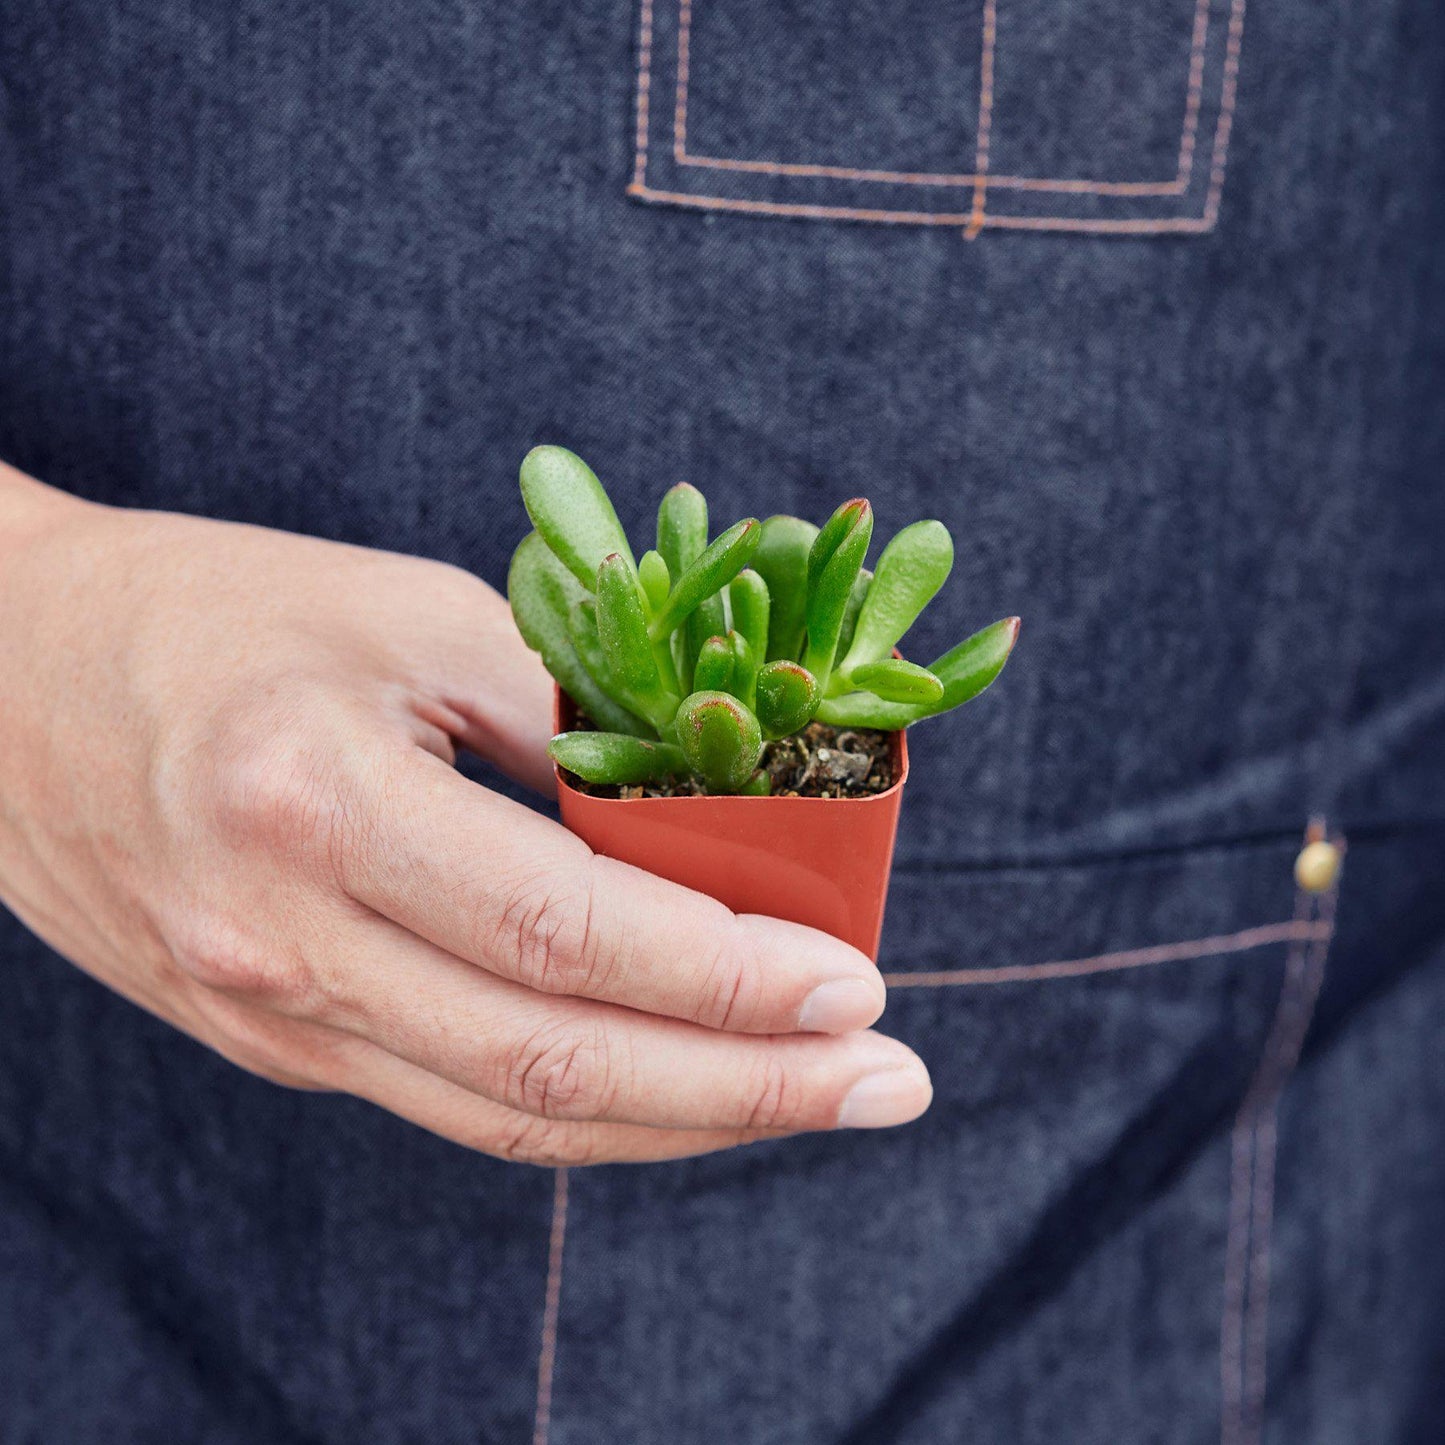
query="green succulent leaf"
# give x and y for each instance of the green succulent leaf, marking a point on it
(656, 580)
(748, 596)
(855, 606)
(615, 758)
(681, 527)
(626, 647)
(714, 670)
(708, 620)
(830, 536)
(726, 664)
(833, 564)
(964, 672)
(652, 574)
(787, 696)
(745, 668)
(760, 785)
(720, 738)
(570, 510)
(682, 539)
(582, 626)
(914, 565)
(709, 573)
(970, 667)
(666, 667)
(897, 681)
(772, 624)
(867, 710)
(542, 593)
(782, 562)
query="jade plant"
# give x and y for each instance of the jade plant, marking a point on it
(691, 658)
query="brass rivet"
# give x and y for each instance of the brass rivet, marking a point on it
(1317, 866)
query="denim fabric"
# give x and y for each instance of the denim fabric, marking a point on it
(1147, 302)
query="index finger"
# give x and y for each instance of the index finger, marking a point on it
(507, 889)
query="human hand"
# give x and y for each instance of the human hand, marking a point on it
(227, 792)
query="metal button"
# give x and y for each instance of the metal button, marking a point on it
(1317, 866)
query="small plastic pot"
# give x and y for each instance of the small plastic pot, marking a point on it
(820, 861)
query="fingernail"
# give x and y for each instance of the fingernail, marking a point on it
(879, 1101)
(840, 1005)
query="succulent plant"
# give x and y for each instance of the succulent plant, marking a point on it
(691, 659)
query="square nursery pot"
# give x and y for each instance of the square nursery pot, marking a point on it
(819, 861)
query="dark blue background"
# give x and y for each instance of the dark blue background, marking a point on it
(335, 268)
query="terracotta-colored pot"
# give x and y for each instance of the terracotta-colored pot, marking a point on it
(819, 861)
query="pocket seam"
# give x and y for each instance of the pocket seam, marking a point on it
(1244, 1323)
(1295, 930)
(551, 1309)
(978, 217)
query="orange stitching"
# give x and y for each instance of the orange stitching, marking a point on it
(684, 66)
(1226, 114)
(778, 208)
(1174, 187)
(644, 95)
(926, 178)
(1189, 225)
(547, 1359)
(1110, 962)
(985, 118)
(1185, 171)
(1166, 225)
(1244, 1326)
(1161, 225)
(1236, 1247)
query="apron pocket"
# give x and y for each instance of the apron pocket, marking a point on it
(1099, 116)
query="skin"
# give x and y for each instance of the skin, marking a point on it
(227, 792)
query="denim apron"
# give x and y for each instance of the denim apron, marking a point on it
(1145, 299)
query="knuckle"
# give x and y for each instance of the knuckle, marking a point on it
(774, 1096)
(562, 1072)
(529, 1140)
(731, 997)
(547, 926)
(274, 1070)
(260, 1047)
(225, 959)
(272, 793)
